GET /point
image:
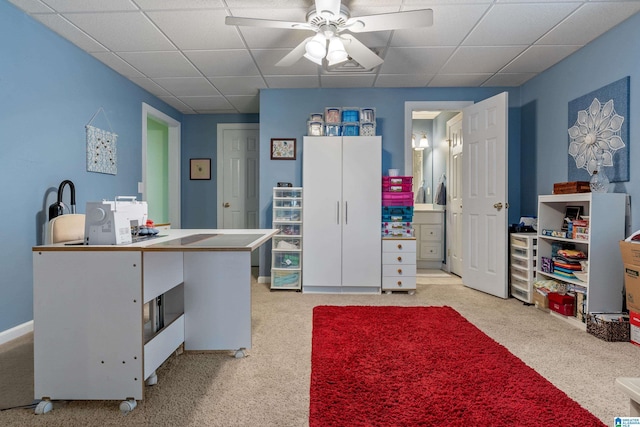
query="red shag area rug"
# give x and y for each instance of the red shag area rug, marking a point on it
(424, 366)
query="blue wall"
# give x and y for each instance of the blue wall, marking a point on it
(284, 114)
(49, 90)
(200, 140)
(545, 102)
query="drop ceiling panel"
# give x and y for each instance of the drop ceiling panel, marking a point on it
(217, 63)
(186, 48)
(297, 82)
(122, 31)
(238, 85)
(459, 80)
(517, 24)
(118, 64)
(507, 79)
(347, 81)
(70, 32)
(90, 5)
(187, 86)
(402, 80)
(179, 4)
(197, 29)
(481, 59)
(590, 21)
(415, 60)
(161, 64)
(450, 27)
(539, 58)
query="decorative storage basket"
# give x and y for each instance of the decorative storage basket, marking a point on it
(609, 326)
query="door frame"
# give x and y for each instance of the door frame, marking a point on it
(409, 107)
(220, 163)
(174, 127)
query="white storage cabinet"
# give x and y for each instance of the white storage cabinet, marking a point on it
(286, 249)
(606, 212)
(399, 264)
(522, 266)
(342, 194)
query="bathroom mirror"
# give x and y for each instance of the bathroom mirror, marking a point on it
(427, 148)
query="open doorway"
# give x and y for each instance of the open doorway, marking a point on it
(437, 169)
(160, 185)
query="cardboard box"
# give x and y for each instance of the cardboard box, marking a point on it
(540, 301)
(634, 325)
(631, 259)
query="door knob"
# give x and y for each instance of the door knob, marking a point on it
(226, 204)
(498, 206)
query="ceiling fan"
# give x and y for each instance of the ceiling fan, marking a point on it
(331, 45)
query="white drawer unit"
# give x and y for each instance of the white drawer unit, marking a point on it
(429, 227)
(522, 266)
(399, 265)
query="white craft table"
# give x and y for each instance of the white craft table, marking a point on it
(93, 337)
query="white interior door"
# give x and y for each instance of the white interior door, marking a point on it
(484, 225)
(454, 204)
(238, 176)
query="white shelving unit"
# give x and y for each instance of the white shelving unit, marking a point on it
(523, 265)
(606, 212)
(286, 251)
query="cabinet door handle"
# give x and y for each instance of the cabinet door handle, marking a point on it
(338, 212)
(346, 213)
(400, 258)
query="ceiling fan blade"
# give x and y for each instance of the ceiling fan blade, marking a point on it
(360, 53)
(295, 55)
(390, 21)
(328, 8)
(266, 23)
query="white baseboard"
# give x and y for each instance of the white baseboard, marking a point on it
(264, 279)
(16, 332)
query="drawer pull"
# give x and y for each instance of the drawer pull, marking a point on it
(400, 258)
(399, 283)
(399, 271)
(399, 246)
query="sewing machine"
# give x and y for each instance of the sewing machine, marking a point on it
(112, 222)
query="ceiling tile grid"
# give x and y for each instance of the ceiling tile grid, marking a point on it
(183, 52)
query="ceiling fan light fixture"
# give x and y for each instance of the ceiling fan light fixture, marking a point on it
(312, 59)
(316, 47)
(337, 52)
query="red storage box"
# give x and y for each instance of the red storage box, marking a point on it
(562, 304)
(396, 188)
(397, 180)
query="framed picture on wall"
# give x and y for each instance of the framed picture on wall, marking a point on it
(283, 148)
(200, 169)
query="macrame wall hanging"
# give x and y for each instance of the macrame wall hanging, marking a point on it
(102, 155)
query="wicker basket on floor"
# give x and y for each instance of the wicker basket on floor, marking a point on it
(608, 330)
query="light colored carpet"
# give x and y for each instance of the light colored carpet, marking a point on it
(270, 387)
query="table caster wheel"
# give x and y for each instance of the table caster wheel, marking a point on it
(412, 292)
(127, 406)
(152, 380)
(240, 353)
(43, 407)
(388, 292)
